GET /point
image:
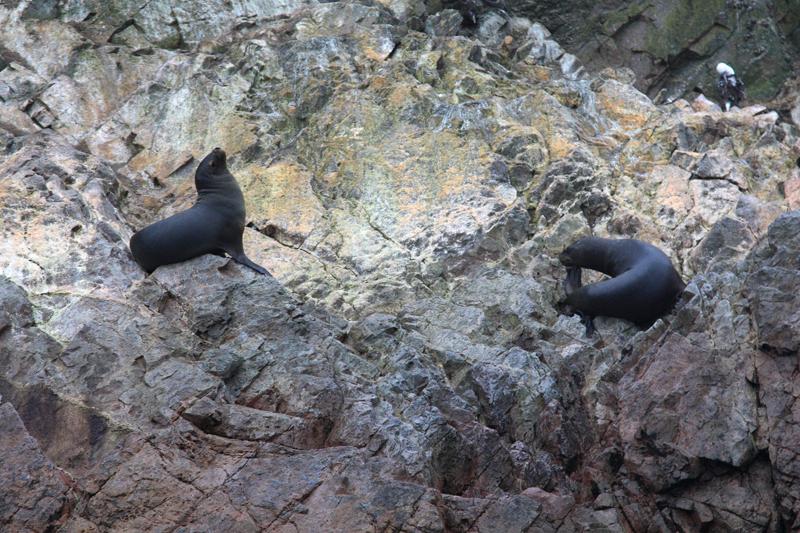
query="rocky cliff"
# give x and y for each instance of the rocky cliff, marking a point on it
(410, 180)
(673, 45)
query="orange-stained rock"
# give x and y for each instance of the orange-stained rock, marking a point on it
(624, 104)
(281, 201)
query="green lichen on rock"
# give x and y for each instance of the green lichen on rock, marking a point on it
(680, 26)
(674, 45)
(612, 22)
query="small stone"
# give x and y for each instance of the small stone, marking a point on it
(713, 165)
(555, 506)
(702, 104)
(685, 160)
(428, 67)
(791, 190)
(444, 23)
(605, 500)
(570, 66)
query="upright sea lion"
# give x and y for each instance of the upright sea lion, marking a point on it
(213, 225)
(643, 286)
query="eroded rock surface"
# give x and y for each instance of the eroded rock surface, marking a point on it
(411, 175)
(672, 46)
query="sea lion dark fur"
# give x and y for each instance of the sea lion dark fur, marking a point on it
(213, 225)
(643, 286)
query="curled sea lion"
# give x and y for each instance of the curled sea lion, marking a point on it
(213, 225)
(643, 286)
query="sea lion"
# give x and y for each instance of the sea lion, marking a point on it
(213, 225)
(643, 286)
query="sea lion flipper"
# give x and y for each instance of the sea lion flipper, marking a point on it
(587, 321)
(244, 260)
(573, 280)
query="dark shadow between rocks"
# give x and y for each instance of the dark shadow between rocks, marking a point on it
(73, 436)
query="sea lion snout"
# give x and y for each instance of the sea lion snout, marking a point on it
(567, 256)
(218, 158)
(572, 254)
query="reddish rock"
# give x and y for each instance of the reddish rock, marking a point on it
(35, 494)
(791, 190)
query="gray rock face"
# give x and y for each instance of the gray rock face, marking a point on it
(33, 490)
(772, 284)
(674, 46)
(447, 22)
(411, 176)
(677, 377)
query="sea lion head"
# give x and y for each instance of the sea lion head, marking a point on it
(594, 253)
(574, 254)
(213, 168)
(215, 162)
